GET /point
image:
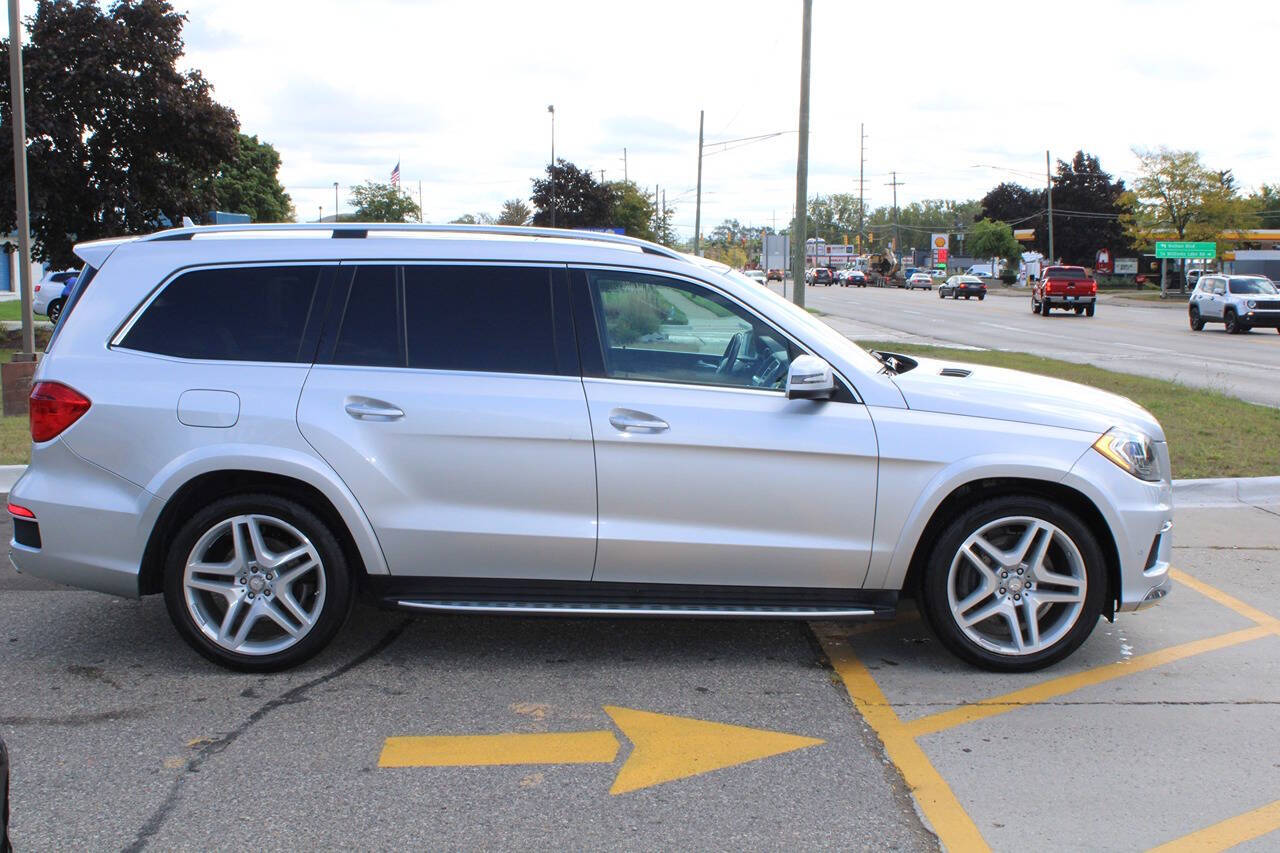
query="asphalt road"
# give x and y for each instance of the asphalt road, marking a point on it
(1123, 335)
(1161, 726)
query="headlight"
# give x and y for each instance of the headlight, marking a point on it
(1253, 303)
(1132, 451)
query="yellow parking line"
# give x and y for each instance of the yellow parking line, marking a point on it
(1228, 833)
(955, 829)
(1253, 614)
(1068, 683)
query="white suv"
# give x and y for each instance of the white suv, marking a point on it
(485, 420)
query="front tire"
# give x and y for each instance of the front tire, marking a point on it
(1014, 584)
(1232, 323)
(1197, 322)
(257, 583)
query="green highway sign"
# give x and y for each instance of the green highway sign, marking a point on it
(1182, 249)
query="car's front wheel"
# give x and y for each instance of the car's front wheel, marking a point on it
(257, 583)
(54, 311)
(1232, 323)
(1197, 322)
(1014, 584)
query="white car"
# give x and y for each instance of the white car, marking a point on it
(46, 294)
(921, 280)
(456, 419)
(756, 275)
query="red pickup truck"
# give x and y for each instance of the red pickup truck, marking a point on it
(1064, 287)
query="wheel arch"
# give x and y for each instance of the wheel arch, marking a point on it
(994, 487)
(203, 489)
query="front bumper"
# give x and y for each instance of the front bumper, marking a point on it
(1261, 319)
(1140, 516)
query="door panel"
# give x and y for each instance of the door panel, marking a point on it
(484, 469)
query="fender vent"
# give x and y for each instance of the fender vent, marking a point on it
(954, 371)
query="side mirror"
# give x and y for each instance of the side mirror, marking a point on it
(810, 378)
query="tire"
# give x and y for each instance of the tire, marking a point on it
(1079, 310)
(962, 578)
(1044, 309)
(1035, 306)
(1088, 310)
(1232, 322)
(941, 295)
(236, 613)
(980, 298)
(1197, 323)
(54, 311)
(966, 297)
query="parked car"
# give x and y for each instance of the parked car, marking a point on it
(54, 309)
(774, 275)
(818, 275)
(1239, 302)
(1071, 288)
(756, 275)
(495, 435)
(48, 290)
(921, 280)
(963, 285)
(938, 273)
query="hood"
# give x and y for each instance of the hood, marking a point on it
(1011, 395)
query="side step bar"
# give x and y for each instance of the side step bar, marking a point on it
(704, 611)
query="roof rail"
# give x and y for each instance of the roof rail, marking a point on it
(362, 229)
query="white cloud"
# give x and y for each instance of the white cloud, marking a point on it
(458, 92)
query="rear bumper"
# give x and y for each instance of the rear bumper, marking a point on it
(93, 524)
(1057, 300)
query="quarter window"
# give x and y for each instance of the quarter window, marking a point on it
(663, 330)
(232, 314)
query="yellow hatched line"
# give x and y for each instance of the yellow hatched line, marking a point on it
(1068, 683)
(1228, 833)
(955, 829)
(1253, 614)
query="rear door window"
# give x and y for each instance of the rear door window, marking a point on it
(261, 313)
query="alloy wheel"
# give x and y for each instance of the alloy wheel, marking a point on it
(1017, 585)
(254, 585)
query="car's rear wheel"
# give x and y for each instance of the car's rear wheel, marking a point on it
(1014, 584)
(257, 583)
(1197, 322)
(1088, 310)
(54, 311)
(1044, 309)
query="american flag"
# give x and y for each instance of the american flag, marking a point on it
(395, 175)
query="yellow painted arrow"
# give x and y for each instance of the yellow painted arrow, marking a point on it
(664, 748)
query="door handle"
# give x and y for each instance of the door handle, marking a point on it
(365, 409)
(629, 420)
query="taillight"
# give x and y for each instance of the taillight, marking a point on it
(54, 407)
(20, 511)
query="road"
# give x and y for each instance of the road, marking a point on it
(1160, 727)
(1124, 335)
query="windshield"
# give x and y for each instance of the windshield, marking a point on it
(806, 324)
(1253, 286)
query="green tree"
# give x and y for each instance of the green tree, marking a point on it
(119, 140)
(632, 210)
(473, 219)
(1091, 204)
(1176, 195)
(991, 239)
(248, 183)
(377, 202)
(1266, 202)
(515, 212)
(580, 201)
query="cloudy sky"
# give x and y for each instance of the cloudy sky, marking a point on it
(955, 96)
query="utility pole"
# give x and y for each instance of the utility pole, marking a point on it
(419, 202)
(862, 163)
(551, 108)
(895, 183)
(19, 116)
(697, 212)
(625, 179)
(335, 201)
(602, 177)
(1048, 182)
(657, 215)
(802, 163)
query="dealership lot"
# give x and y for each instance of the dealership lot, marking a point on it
(1162, 726)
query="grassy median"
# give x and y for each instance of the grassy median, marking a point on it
(1210, 434)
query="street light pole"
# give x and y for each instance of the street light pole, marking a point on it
(802, 165)
(697, 209)
(1048, 182)
(335, 201)
(19, 117)
(551, 108)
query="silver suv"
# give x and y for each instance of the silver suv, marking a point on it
(258, 422)
(1239, 302)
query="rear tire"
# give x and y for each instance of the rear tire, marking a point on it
(257, 583)
(54, 311)
(1088, 311)
(1015, 547)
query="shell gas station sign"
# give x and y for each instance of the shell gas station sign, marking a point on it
(940, 243)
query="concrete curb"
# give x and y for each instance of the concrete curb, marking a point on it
(1226, 491)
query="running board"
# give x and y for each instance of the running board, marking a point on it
(516, 596)
(547, 608)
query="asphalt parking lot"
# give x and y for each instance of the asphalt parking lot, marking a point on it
(484, 732)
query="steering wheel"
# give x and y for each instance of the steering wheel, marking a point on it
(737, 344)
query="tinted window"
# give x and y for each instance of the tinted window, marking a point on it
(1256, 286)
(368, 333)
(659, 329)
(496, 319)
(1076, 273)
(233, 313)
